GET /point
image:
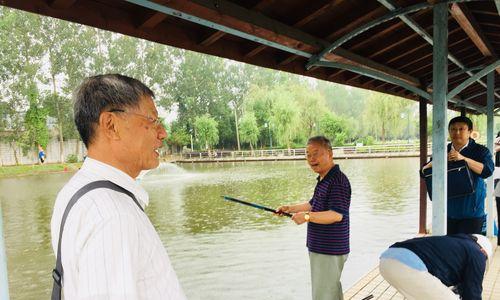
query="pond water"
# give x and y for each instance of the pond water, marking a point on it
(219, 249)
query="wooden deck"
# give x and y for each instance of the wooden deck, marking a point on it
(374, 284)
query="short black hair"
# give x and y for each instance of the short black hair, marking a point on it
(321, 140)
(101, 93)
(461, 119)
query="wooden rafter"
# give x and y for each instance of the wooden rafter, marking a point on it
(353, 25)
(153, 21)
(389, 30)
(61, 4)
(215, 36)
(299, 24)
(469, 24)
(251, 22)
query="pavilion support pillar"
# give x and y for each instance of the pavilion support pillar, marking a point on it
(490, 207)
(422, 227)
(4, 283)
(439, 120)
(462, 111)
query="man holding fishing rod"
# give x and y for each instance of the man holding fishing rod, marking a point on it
(327, 215)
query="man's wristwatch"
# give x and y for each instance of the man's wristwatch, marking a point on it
(307, 216)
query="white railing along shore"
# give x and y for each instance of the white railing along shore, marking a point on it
(347, 151)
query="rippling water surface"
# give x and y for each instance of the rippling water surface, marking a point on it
(222, 250)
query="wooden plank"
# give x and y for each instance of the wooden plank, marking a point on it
(153, 21)
(318, 12)
(212, 38)
(329, 6)
(219, 34)
(389, 30)
(251, 22)
(469, 24)
(62, 4)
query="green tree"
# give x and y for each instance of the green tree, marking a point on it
(260, 100)
(67, 47)
(311, 105)
(177, 136)
(383, 115)
(334, 128)
(35, 125)
(284, 117)
(21, 55)
(248, 129)
(206, 131)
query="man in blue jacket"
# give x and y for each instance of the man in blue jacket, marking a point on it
(466, 213)
(425, 268)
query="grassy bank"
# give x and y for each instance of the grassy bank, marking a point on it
(24, 170)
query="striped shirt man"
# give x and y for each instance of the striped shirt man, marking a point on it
(109, 248)
(333, 192)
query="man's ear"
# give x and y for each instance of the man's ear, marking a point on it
(109, 124)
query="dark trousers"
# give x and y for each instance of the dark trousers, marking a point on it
(469, 226)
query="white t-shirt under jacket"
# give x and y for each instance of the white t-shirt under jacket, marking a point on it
(110, 249)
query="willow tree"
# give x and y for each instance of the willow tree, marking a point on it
(206, 131)
(248, 129)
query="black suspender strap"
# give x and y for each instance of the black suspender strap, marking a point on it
(57, 273)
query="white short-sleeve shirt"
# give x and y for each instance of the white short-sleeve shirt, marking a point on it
(109, 248)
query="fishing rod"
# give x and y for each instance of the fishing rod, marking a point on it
(255, 205)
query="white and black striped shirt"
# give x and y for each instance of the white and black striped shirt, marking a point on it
(110, 249)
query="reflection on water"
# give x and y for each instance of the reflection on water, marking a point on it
(220, 249)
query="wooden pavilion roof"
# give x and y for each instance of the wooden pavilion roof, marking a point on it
(393, 57)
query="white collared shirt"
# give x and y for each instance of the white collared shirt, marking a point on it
(109, 248)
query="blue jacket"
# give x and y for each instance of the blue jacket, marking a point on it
(456, 260)
(472, 206)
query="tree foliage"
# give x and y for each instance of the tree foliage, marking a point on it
(206, 131)
(35, 120)
(248, 129)
(211, 99)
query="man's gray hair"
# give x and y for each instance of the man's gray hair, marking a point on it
(102, 93)
(321, 140)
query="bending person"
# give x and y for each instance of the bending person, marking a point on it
(425, 268)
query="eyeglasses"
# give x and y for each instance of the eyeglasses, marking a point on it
(155, 121)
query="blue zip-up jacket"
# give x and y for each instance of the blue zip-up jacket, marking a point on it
(472, 206)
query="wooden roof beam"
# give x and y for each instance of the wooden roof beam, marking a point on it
(153, 21)
(391, 29)
(61, 4)
(372, 15)
(469, 24)
(318, 12)
(214, 37)
(252, 23)
(299, 24)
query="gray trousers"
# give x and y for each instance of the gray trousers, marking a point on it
(325, 276)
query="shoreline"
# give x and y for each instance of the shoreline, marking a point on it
(37, 169)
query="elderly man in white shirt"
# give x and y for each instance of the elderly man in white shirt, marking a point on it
(109, 248)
